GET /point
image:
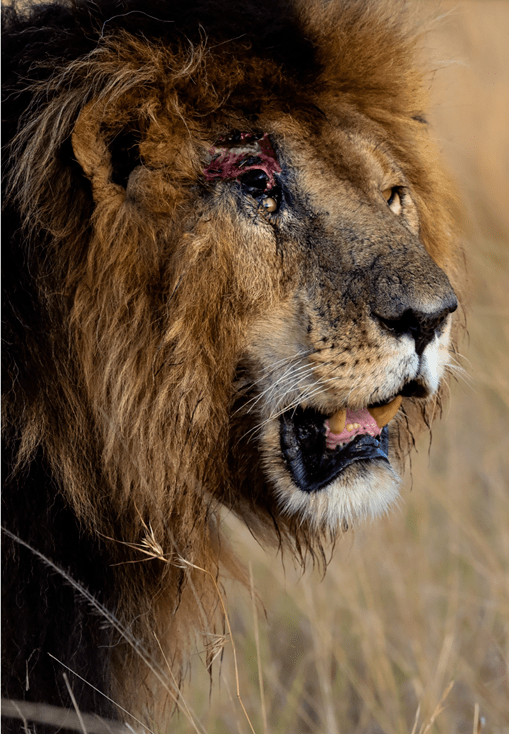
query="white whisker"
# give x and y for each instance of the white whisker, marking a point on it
(459, 373)
(290, 373)
(270, 373)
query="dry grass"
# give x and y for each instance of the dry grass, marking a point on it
(420, 599)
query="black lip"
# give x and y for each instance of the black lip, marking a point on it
(312, 465)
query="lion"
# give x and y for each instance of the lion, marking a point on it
(232, 267)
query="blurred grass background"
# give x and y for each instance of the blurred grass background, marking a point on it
(421, 598)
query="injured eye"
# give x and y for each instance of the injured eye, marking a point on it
(393, 197)
(269, 204)
(250, 159)
(254, 182)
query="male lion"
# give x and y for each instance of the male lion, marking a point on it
(228, 283)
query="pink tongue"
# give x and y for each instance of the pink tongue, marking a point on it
(361, 418)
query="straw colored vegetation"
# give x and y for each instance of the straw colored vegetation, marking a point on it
(419, 600)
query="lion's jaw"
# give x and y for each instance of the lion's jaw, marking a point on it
(332, 488)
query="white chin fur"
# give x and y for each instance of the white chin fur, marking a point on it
(363, 491)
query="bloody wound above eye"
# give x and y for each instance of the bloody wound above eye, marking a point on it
(244, 156)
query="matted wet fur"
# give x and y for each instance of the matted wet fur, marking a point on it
(227, 225)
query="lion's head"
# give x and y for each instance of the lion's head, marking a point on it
(239, 253)
(357, 316)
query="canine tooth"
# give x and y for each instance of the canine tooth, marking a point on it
(385, 413)
(337, 421)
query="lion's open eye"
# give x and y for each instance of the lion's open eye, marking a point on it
(250, 159)
(393, 197)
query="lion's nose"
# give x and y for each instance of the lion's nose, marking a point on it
(419, 323)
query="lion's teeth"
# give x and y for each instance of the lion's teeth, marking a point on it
(385, 413)
(337, 421)
(352, 426)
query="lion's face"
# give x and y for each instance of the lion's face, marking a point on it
(303, 292)
(356, 313)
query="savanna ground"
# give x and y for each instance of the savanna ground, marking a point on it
(408, 631)
(420, 600)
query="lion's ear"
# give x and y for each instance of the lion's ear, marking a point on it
(106, 152)
(91, 151)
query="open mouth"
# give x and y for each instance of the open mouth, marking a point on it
(317, 448)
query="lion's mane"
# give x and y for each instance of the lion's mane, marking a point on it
(125, 311)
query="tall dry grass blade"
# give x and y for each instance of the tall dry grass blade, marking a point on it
(152, 665)
(234, 708)
(75, 704)
(416, 720)
(12, 708)
(477, 720)
(150, 547)
(125, 711)
(42, 713)
(476, 728)
(322, 649)
(258, 651)
(227, 620)
(188, 711)
(438, 710)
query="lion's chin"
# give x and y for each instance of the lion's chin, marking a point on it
(364, 490)
(328, 488)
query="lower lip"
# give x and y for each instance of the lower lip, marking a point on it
(313, 466)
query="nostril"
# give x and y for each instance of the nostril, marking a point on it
(407, 323)
(422, 326)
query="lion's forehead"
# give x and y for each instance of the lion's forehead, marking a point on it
(337, 156)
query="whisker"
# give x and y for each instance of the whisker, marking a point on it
(293, 373)
(459, 372)
(274, 368)
(278, 411)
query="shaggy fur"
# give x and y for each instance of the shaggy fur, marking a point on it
(159, 320)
